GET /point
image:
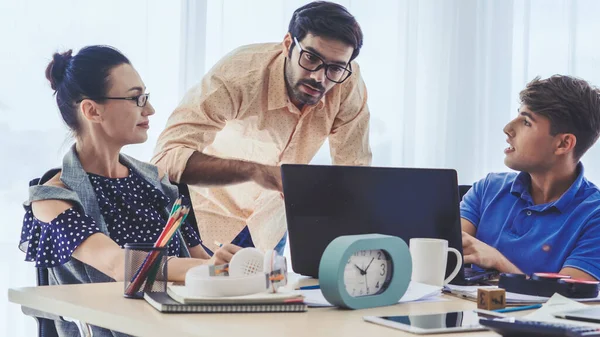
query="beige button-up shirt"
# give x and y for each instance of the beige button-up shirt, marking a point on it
(241, 110)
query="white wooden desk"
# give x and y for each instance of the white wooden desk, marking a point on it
(103, 304)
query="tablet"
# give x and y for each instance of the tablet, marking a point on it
(431, 323)
(591, 314)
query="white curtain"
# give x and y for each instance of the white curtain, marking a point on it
(443, 75)
(443, 78)
(32, 135)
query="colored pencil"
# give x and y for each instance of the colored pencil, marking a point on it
(149, 267)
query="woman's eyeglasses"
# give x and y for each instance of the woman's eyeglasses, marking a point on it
(140, 100)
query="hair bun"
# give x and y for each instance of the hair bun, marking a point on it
(57, 68)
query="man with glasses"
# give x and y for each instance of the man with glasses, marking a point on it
(259, 107)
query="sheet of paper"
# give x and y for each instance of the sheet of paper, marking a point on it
(438, 298)
(415, 292)
(314, 298)
(470, 292)
(556, 304)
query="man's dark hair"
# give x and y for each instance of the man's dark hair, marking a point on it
(571, 104)
(326, 19)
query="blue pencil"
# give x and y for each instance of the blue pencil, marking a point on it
(310, 287)
(525, 307)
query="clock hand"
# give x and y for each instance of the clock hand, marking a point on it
(366, 280)
(369, 264)
(362, 272)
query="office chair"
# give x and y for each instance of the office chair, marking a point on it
(45, 321)
(191, 217)
(462, 190)
(46, 327)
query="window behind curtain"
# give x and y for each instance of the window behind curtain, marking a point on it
(32, 135)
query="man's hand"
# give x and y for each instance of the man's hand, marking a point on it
(268, 177)
(480, 253)
(485, 256)
(224, 254)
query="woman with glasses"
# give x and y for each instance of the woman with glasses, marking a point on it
(80, 216)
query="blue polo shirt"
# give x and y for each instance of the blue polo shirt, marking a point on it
(537, 238)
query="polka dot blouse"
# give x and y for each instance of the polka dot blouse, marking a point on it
(132, 209)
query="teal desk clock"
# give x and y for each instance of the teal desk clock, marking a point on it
(364, 271)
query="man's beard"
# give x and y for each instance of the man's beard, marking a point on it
(299, 96)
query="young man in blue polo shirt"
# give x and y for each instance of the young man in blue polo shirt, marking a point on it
(546, 218)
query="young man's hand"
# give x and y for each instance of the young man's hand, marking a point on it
(268, 177)
(486, 256)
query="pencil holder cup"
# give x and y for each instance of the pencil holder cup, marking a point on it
(145, 269)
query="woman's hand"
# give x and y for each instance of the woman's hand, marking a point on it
(224, 254)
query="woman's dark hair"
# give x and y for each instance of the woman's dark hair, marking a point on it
(327, 19)
(571, 104)
(84, 75)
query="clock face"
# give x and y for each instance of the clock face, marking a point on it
(367, 272)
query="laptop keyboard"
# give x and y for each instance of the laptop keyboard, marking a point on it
(470, 272)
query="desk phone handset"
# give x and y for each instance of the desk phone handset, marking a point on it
(547, 284)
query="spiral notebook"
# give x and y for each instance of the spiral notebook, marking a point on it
(163, 303)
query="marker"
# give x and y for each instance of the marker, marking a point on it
(316, 286)
(218, 243)
(525, 307)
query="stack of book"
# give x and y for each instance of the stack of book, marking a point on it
(177, 300)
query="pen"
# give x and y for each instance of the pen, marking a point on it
(525, 307)
(316, 286)
(489, 313)
(218, 243)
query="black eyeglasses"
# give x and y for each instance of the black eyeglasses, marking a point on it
(312, 62)
(140, 100)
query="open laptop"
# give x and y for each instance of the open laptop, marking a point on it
(324, 202)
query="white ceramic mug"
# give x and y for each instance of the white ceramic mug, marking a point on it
(429, 260)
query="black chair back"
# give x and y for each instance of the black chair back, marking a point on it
(46, 327)
(462, 190)
(191, 218)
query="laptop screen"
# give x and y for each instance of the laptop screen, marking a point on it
(324, 202)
